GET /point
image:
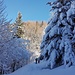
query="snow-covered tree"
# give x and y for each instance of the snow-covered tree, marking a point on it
(58, 44)
(19, 25)
(13, 53)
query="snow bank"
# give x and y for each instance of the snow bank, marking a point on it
(33, 69)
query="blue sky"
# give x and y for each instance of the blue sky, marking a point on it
(30, 9)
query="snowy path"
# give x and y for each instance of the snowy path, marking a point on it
(33, 69)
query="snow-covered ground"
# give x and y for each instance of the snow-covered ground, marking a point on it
(35, 69)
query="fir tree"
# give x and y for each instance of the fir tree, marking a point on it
(57, 45)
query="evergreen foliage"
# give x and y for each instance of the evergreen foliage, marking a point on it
(58, 41)
(19, 25)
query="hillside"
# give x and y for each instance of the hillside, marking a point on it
(33, 31)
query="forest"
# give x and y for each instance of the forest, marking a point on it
(39, 46)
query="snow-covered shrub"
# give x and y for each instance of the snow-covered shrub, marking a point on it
(13, 53)
(59, 38)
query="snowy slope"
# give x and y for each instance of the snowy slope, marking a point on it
(33, 69)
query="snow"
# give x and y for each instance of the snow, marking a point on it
(47, 29)
(71, 13)
(55, 17)
(73, 4)
(52, 58)
(35, 69)
(62, 15)
(53, 31)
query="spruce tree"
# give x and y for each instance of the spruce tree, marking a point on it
(19, 24)
(58, 44)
